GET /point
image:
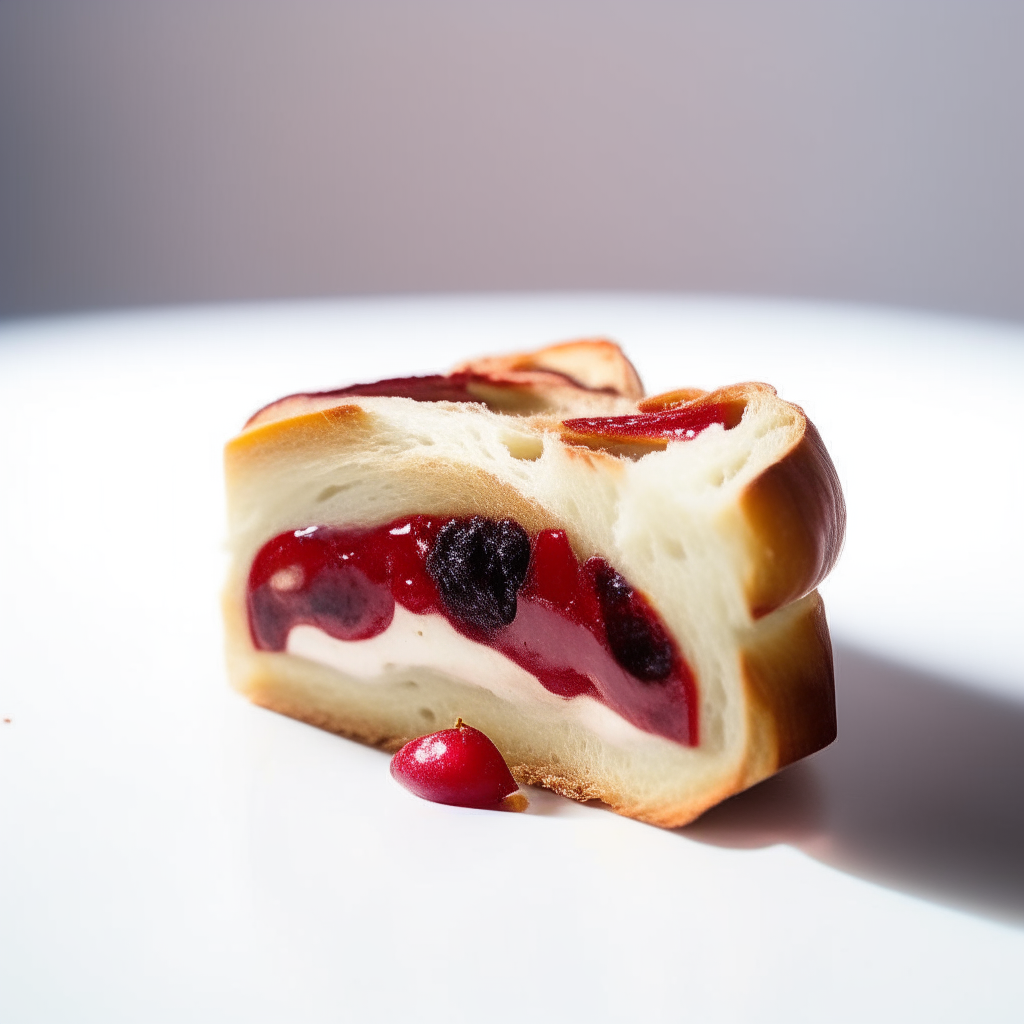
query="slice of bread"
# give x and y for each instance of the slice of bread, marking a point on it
(725, 529)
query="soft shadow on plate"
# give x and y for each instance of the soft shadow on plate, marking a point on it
(923, 791)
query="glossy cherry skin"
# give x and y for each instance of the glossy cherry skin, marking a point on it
(682, 423)
(459, 766)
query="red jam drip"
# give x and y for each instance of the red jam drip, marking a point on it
(578, 628)
(681, 424)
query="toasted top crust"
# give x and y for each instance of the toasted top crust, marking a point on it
(576, 377)
(593, 364)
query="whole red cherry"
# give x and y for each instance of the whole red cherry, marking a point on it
(459, 766)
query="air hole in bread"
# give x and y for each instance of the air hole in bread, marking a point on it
(427, 715)
(735, 467)
(673, 548)
(632, 452)
(522, 446)
(719, 476)
(329, 492)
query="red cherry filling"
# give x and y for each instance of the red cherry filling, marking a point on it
(578, 629)
(682, 423)
(459, 766)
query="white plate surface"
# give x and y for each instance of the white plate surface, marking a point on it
(168, 852)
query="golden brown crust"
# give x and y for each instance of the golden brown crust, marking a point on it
(796, 518)
(266, 690)
(593, 364)
(670, 399)
(323, 426)
(790, 687)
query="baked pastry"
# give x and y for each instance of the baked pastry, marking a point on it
(618, 590)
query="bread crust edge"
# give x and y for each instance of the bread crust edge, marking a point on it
(796, 522)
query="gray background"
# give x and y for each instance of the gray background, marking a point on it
(234, 149)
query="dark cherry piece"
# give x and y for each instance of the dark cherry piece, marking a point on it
(479, 565)
(459, 766)
(578, 629)
(638, 640)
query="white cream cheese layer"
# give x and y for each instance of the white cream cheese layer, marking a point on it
(429, 641)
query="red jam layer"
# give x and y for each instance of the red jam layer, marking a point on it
(681, 424)
(578, 628)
